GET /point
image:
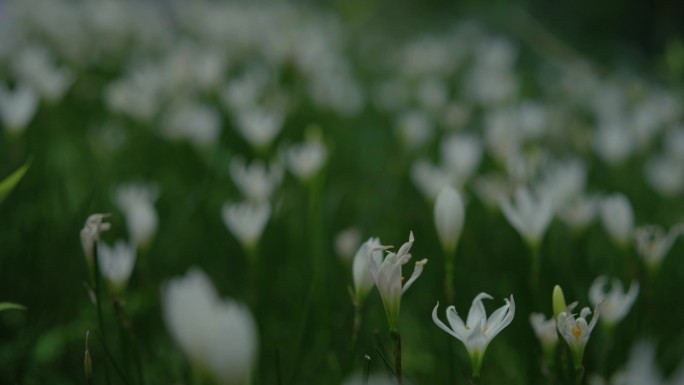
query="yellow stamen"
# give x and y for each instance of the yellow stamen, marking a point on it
(577, 332)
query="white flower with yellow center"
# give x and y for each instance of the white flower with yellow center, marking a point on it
(576, 331)
(478, 330)
(387, 276)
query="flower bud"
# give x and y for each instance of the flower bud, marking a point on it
(449, 217)
(558, 300)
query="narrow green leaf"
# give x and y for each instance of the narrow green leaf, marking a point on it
(9, 306)
(8, 184)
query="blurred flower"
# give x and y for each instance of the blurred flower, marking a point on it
(255, 181)
(347, 243)
(614, 304)
(653, 244)
(90, 234)
(306, 159)
(35, 66)
(388, 278)
(428, 178)
(17, 107)
(617, 218)
(136, 201)
(641, 368)
(116, 263)
(529, 215)
(580, 211)
(461, 154)
(198, 123)
(433, 93)
(259, 126)
(563, 182)
(449, 214)
(139, 94)
(545, 330)
(665, 174)
(478, 330)
(363, 279)
(246, 221)
(576, 331)
(492, 189)
(414, 128)
(218, 336)
(613, 143)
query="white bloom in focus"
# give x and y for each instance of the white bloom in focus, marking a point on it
(478, 330)
(449, 214)
(576, 331)
(461, 154)
(246, 221)
(617, 218)
(529, 215)
(258, 126)
(347, 243)
(136, 201)
(545, 330)
(216, 335)
(90, 234)
(255, 181)
(116, 263)
(653, 243)
(17, 107)
(388, 279)
(614, 304)
(306, 159)
(363, 279)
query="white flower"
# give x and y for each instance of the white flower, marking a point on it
(449, 214)
(530, 216)
(136, 201)
(363, 279)
(307, 158)
(259, 126)
(90, 234)
(665, 174)
(618, 218)
(545, 330)
(255, 181)
(216, 335)
(388, 279)
(116, 263)
(653, 244)
(580, 211)
(17, 107)
(196, 122)
(478, 330)
(246, 221)
(613, 142)
(492, 189)
(564, 182)
(428, 178)
(414, 128)
(576, 331)
(35, 66)
(642, 368)
(615, 304)
(347, 243)
(461, 154)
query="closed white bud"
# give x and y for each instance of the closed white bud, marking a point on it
(449, 213)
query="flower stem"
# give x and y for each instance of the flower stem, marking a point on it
(98, 302)
(449, 275)
(579, 374)
(397, 354)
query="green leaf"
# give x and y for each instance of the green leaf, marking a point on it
(8, 184)
(9, 306)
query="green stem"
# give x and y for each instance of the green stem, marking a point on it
(358, 318)
(98, 301)
(449, 276)
(366, 370)
(579, 374)
(397, 354)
